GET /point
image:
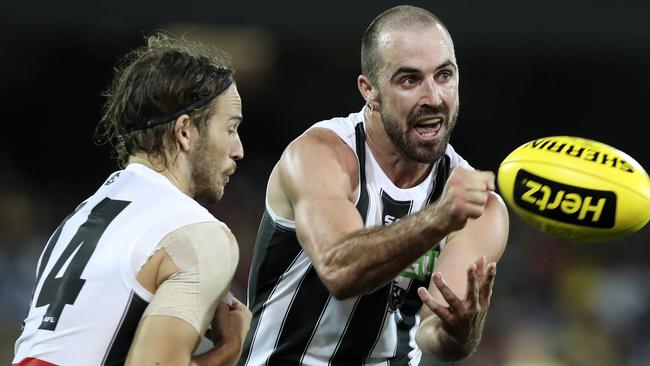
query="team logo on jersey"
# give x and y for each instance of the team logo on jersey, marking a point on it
(420, 270)
(398, 290)
(393, 209)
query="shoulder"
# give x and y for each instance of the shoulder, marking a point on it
(344, 127)
(334, 138)
(321, 140)
(316, 155)
(207, 239)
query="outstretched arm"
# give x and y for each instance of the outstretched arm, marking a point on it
(452, 325)
(319, 175)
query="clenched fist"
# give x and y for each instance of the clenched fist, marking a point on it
(464, 197)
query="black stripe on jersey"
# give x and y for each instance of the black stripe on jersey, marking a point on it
(367, 320)
(441, 179)
(123, 336)
(300, 320)
(369, 314)
(401, 357)
(364, 200)
(412, 304)
(408, 311)
(276, 249)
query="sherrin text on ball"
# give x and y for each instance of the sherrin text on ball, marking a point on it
(575, 188)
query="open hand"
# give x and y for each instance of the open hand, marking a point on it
(463, 320)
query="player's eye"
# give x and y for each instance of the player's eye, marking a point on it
(444, 75)
(408, 81)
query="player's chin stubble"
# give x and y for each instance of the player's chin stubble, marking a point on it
(422, 152)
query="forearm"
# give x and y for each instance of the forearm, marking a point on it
(363, 260)
(434, 340)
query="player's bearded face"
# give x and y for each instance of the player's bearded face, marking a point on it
(402, 134)
(218, 148)
(207, 183)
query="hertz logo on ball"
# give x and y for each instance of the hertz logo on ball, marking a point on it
(576, 189)
(563, 202)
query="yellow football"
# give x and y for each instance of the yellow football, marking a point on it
(576, 189)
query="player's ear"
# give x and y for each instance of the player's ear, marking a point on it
(182, 132)
(368, 91)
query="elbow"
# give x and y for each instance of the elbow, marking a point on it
(338, 284)
(340, 278)
(424, 338)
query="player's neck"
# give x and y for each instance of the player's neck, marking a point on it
(401, 170)
(175, 174)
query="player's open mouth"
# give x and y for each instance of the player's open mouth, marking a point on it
(428, 129)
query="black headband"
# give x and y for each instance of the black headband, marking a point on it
(153, 122)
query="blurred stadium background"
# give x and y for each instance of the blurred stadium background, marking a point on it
(528, 69)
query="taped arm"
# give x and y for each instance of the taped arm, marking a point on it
(195, 274)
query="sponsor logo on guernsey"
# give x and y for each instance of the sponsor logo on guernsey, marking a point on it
(563, 202)
(586, 153)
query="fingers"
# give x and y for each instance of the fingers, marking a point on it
(488, 178)
(455, 304)
(483, 180)
(241, 310)
(467, 193)
(480, 269)
(473, 180)
(441, 311)
(222, 310)
(486, 286)
(229, 298)
(236, 304)
(220, 316)
(472, 294)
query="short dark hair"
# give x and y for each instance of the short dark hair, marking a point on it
(399, 17)
(153, 85)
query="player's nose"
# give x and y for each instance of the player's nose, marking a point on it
(431, 92)
(237, 152)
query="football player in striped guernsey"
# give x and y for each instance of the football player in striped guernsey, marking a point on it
(379, 242)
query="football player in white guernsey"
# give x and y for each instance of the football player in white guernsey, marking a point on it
(141, 270)
(330, 192)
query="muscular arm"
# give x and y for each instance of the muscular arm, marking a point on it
(319, 175)
(167, 337)
(466, 265)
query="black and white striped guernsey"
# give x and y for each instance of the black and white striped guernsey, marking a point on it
(296, 321)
